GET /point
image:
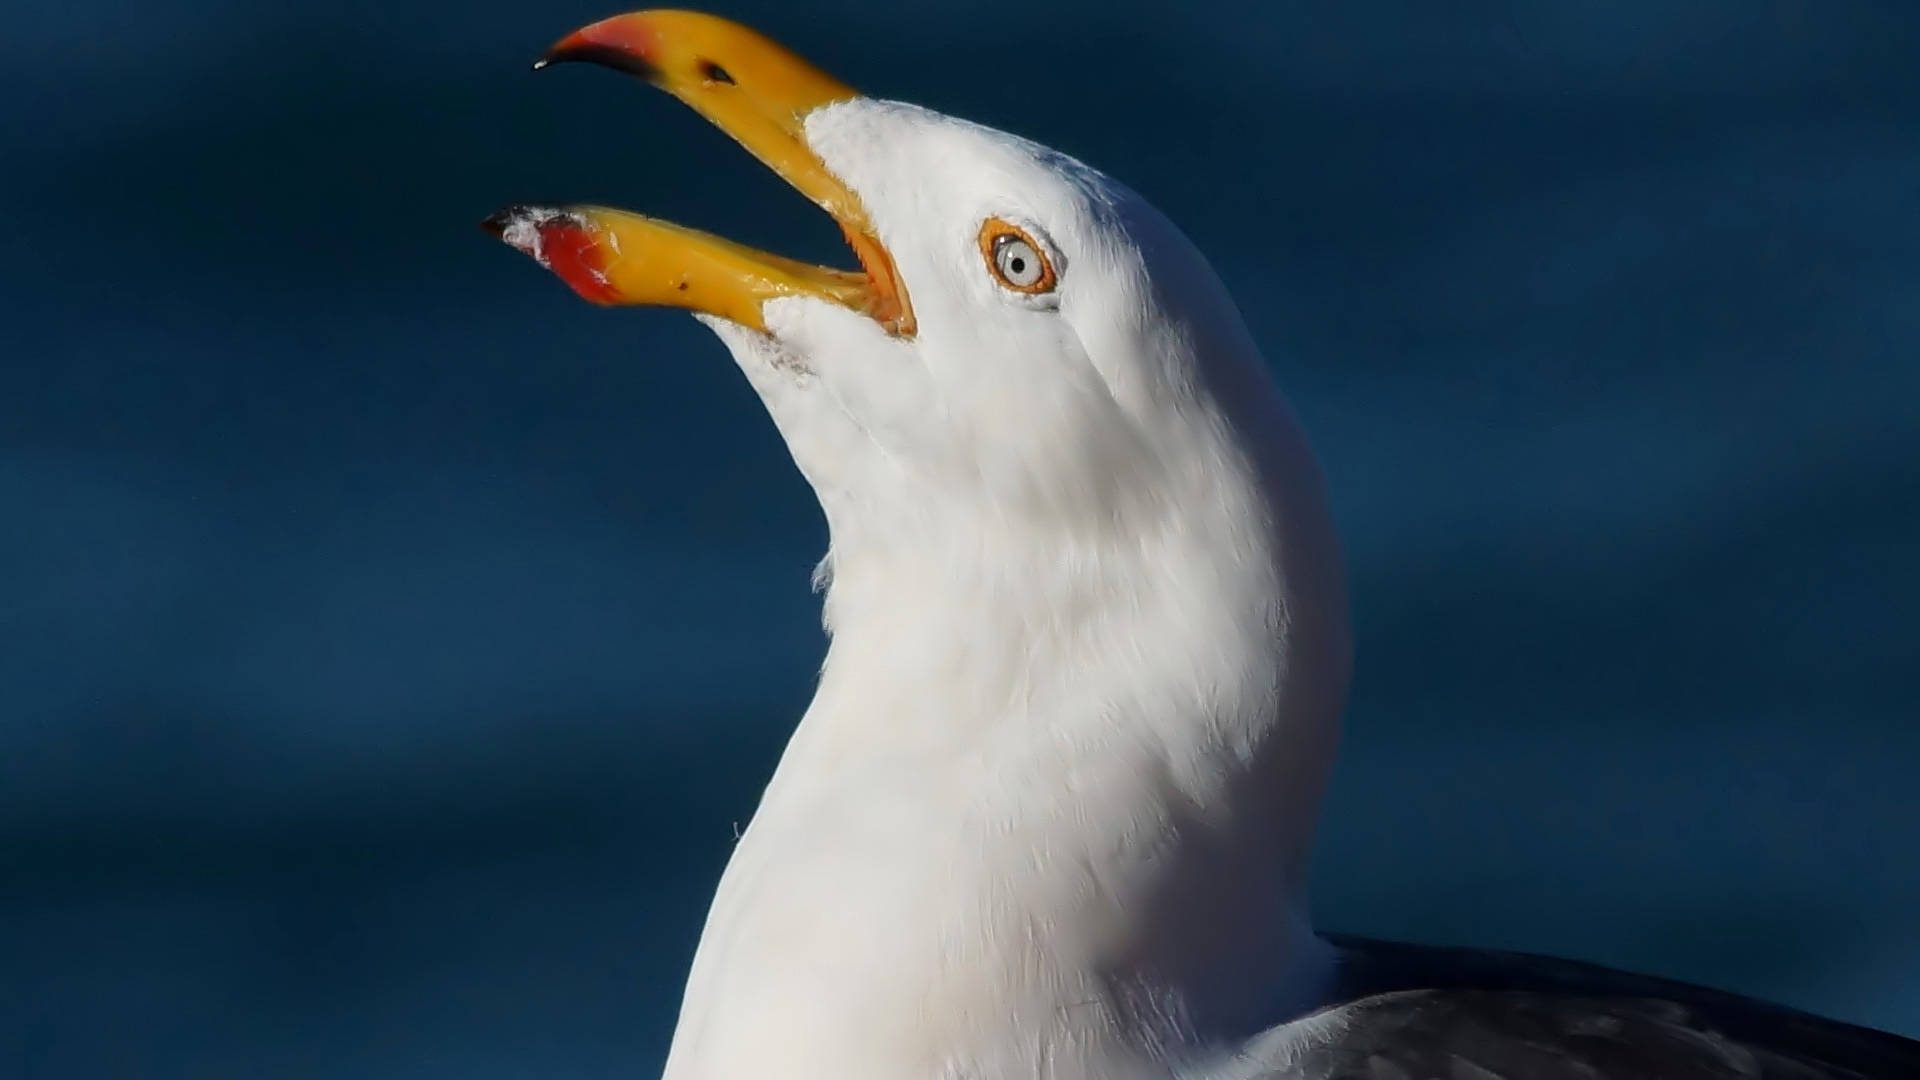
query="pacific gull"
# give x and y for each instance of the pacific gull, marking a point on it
(1049, 813)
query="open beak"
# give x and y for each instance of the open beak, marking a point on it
(759, 93)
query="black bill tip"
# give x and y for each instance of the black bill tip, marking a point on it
(573, 51)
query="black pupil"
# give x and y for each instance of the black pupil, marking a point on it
(1014, 257)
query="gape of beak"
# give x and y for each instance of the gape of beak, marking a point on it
(758, 92)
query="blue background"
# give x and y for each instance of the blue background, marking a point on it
(389, 642)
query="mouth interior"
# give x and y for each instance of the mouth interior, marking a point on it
(886, 297)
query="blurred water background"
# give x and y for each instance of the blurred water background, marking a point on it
(389, 642)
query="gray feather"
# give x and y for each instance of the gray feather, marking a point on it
(1407, 1012)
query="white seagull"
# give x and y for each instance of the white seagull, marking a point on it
(1049, 813)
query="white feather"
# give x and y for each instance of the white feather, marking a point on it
(1050, 811)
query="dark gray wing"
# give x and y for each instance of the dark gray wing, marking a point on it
(1409, 1012)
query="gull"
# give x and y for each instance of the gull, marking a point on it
(1050, 811)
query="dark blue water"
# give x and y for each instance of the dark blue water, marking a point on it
(389, 642)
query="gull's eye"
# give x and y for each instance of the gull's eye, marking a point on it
(1015, 259)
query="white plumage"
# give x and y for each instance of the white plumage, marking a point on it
(1050, 809)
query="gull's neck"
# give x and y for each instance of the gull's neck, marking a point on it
(1050, 810)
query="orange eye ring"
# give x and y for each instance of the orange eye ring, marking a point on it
(1015, 259)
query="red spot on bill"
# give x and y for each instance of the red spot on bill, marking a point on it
(578, 254)
(564, 242)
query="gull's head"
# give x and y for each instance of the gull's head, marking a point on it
(1025, 340)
